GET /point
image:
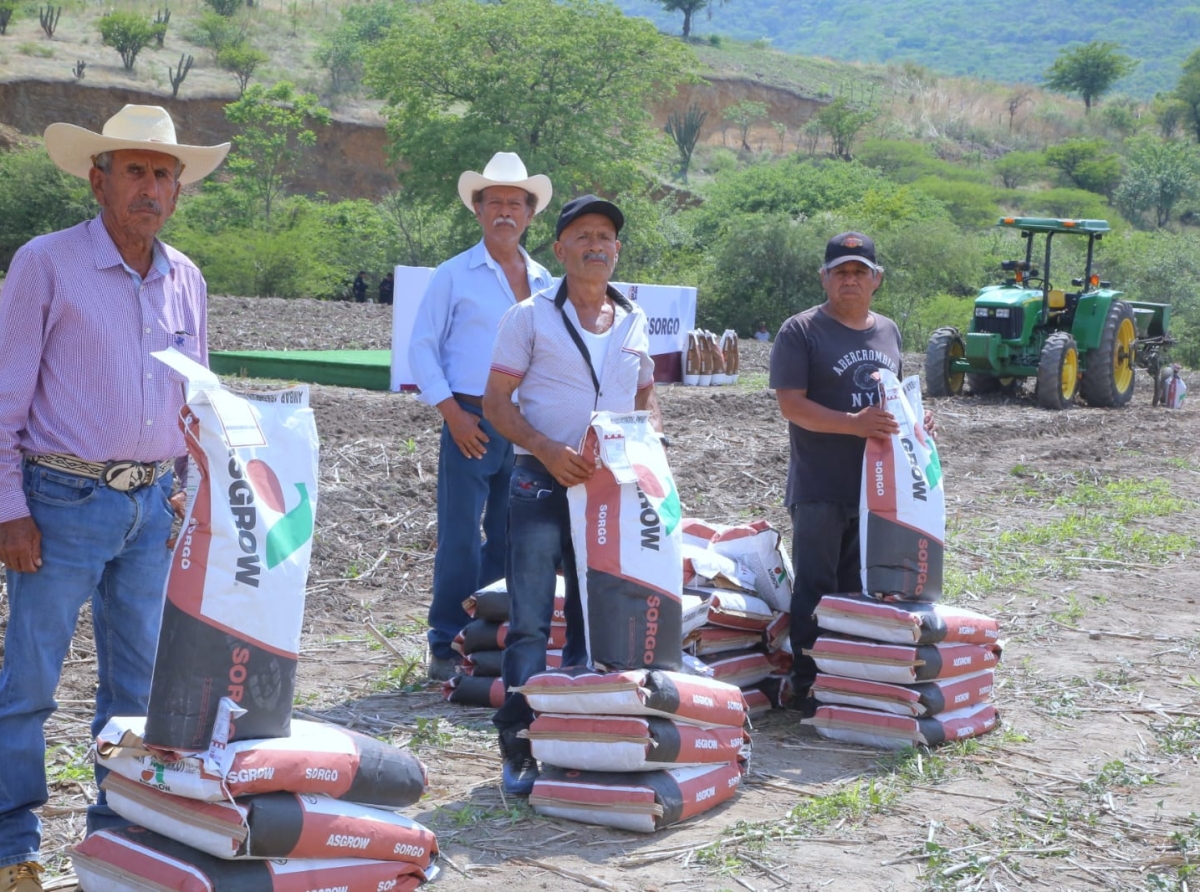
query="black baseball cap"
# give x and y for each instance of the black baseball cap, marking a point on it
(851, 246)
(588, 204)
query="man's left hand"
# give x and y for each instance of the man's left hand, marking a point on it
(930, 424)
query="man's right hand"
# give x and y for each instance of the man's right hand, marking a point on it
(567, 465)
(466, 432)
(875, 421)
(21, 545)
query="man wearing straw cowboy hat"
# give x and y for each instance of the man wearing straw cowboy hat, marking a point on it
(89, 436)
(450, 354)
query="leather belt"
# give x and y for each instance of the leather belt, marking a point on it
(476, 401)
(123, 476)
(530, 463)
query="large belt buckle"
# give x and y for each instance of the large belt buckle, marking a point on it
(127, 476)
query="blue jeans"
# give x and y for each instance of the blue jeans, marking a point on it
(539, 536)
(467, 489)
(825, 555)
(97, 544)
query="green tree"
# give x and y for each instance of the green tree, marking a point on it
(128, 33)
(216, 32)
(1169, 113)
(241, 60)
(1017, 169)
(341, 52)
(843, 122)
(1187, 91)
(743, 115)
(225, 8)
(562, 84)
(1158, 175)
(1089, 70)
(689, 8)
(275, 128)
(35, 198)
(1086, 163)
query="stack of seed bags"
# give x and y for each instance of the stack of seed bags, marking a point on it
(320, 799)
(636, 749)
(711, 359)
(481, 643)
(895, 668)
(741, 577)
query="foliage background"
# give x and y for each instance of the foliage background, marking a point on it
(993, 39)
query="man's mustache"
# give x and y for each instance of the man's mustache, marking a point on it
(146, 204)
(595, 255)
(504, 221)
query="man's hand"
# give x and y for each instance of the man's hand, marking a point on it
(930, 424)
(567, 465)
(178, 503)
(466, 432)
(21, 545)
(874, 421)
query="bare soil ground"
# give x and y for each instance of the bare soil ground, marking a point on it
(1075, 528)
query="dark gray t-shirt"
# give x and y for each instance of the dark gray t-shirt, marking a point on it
(816, 353)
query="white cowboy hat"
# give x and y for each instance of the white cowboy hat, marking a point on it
(505, 169)
(141, 127)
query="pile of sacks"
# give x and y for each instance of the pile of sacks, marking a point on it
(711, 359)
(217, 778)
(481, 643)
(897, 674)
(633, 742)
(321, 799)
(736, 596)
(896, 668)
(638, 749)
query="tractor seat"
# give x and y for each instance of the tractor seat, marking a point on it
(1057, 300)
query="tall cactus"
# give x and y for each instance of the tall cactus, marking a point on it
(684, 130)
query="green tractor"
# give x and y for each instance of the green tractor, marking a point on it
(1086, 341)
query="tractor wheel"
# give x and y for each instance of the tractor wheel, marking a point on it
(980, 384)
(1058, 372)
(945, 344)
(1108, 379)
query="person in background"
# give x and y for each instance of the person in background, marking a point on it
(449, 352)
(566, 352)
(360, 287)
(823, 371)
(387, 286)
(761, 333)
(89, 439)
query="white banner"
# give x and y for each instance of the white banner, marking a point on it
(670, 311)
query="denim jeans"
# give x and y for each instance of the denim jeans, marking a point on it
(467, 489)
(97, 544)
(825, 558)
(539, 537)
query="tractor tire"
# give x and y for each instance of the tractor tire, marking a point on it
(1058, 372)
(980, 384)
(1108, 380)
(945, 344)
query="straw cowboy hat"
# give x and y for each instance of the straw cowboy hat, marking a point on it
(505, 169)
(141, 127)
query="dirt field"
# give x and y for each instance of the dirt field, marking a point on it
(1075, 528)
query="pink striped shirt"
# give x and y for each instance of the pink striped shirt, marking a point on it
(77, 327)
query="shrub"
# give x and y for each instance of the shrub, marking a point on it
(128, 33)
(35, 198)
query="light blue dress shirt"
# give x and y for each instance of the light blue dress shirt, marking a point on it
(450, 350)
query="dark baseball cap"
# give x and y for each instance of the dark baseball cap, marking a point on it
(588, 204)
(851, 246)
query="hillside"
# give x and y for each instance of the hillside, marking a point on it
(993, 39)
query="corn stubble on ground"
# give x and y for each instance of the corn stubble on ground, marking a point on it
(1075, 529)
